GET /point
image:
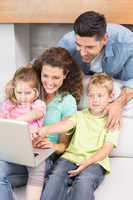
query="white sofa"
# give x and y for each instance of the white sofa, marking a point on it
(118, 184)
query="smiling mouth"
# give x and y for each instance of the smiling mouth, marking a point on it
(50, 88)
(87, 59)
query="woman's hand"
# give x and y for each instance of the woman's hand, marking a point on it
(43, 143)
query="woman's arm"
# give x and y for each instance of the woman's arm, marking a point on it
(45, 143)
(64, 142)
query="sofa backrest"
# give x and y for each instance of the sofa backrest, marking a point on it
(125, 142)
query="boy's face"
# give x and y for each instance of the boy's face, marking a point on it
(99, 98)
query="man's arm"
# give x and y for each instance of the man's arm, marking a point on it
(98, 156)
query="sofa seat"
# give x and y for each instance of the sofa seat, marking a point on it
(118, 184)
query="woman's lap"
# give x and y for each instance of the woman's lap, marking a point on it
(15, 174)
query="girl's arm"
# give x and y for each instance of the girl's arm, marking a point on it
(38, 110)
(31, 116)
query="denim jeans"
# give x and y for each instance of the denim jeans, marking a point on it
(61, 187)
(13, 175)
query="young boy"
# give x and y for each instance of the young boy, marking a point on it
(85, 161)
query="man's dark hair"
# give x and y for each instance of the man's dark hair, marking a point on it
(90, 24)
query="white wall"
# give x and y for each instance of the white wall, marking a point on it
(14, 51)
(22, 44)
(7, 55)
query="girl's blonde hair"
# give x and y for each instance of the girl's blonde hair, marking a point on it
(102, 80)
(28, 75)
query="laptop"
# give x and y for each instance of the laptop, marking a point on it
(16, 144)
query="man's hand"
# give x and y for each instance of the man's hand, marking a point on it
(81, 166)
(114, 111)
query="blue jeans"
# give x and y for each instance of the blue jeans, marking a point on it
(61, 187)
(13, 175)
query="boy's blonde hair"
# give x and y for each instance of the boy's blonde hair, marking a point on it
(28, 75)
(102, 80)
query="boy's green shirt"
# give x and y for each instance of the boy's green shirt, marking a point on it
(89, 136)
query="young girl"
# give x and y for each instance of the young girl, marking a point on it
(23, 104)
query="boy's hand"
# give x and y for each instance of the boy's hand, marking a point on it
(81, 166)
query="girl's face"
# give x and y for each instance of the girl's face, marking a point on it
(52, 78)
(99, 98)
(24, 93)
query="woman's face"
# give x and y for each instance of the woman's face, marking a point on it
(52, 78)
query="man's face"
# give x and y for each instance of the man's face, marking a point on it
(90, 47)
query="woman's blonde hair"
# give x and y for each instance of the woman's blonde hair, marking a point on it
(102, 80)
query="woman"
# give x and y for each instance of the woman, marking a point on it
(61, 88)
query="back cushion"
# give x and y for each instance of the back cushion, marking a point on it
(125, 142)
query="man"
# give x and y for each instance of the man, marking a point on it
(98, 50)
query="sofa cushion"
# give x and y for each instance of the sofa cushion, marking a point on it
(118, 184)
(125, 142)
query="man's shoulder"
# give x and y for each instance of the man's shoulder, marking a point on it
(116, 48)
(119, 33)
